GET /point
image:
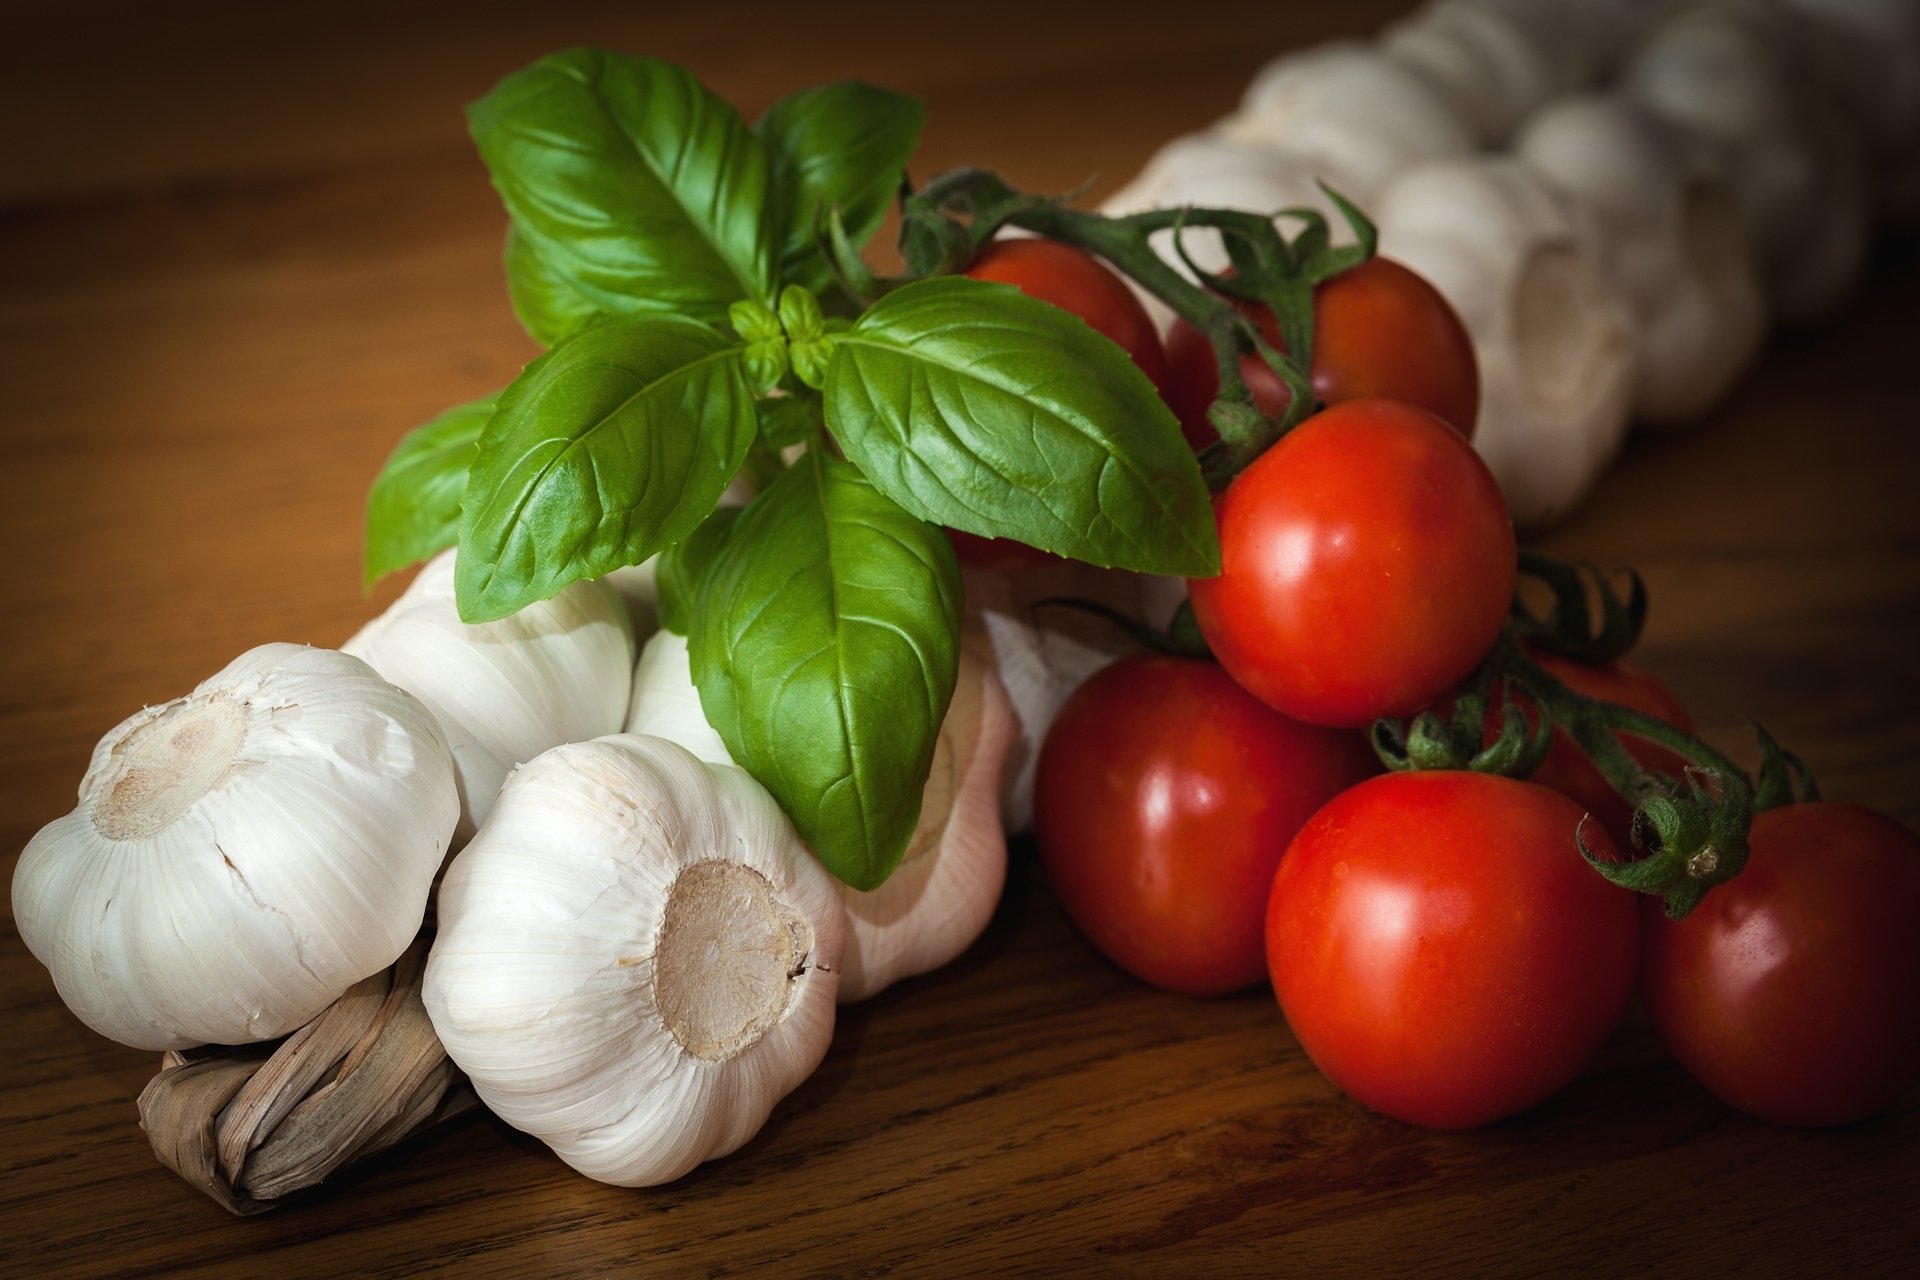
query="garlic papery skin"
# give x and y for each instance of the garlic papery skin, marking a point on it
(636, 958)
(559, 670)
(1042, 653)
(667, 705)
(1671, 242)
(1348, 111)
(242, 855)
(1553, 336)
(943, 893)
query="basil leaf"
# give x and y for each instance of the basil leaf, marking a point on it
(547, 307)
(974, 406)
(825, 647)
(614, 444)
(414, 507)
(844, 145)
(631, 188)
(683, 568)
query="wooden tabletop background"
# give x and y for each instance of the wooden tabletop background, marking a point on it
(242, 247)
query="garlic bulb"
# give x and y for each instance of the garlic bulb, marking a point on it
(557, 671)
(1491, 65)
(636, 958)
(944, 891)
(1553, 337)
(667, 705)
(1869, 53)
(1734, 77)
(242, 855)
(1673, 244)
(640, 592)
(1042, 654)
(1350, 113)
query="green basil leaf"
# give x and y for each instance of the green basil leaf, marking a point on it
(614, 444)
(547, 307)
(414, 507)
(974, 406)
(788, 420)
(631, 188)
(844, 145)
(825, 647)
(682, 569)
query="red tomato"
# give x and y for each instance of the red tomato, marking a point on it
(1440, 949)
(1789, 992)
(1367, 564)
(1567, 768)
(1379, 332)
(1073, 281)
(1163, 798)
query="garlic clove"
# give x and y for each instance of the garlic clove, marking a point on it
(639, 591)
(1348, 110)
(1553, 337)
(242, 855)
(1868, 51)
(1042, 654)
(1671, 242)
(943, 893)
(667, 705)
(636, 958)
(1490, 62)
(557, 671)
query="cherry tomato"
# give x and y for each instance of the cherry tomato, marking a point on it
(1073, 281)
(1440, 949)
(1163, 798)
(1367, 564)
(1379, 332)
(1789, 992)
(1567, 768)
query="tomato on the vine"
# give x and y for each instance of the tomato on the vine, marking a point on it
(1789, 992)
(1075, 281)
(1441, 950)
(1164, 797)
(1567, 768)
(1380, 331)
(1367, 563)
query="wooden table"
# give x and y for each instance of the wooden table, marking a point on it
(241, 250)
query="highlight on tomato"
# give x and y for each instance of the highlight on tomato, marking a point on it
(1441, 950)
(1164, 796)
(1367, 565)
(1381, 331)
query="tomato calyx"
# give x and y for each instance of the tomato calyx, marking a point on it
(948, 222)
(1568, 626)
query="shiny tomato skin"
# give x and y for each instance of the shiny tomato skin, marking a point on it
(1440, 949)
(1076, 281)
(1380, 332)
(1163, 798)
(1790, 991)
(1367, 565)
(1567, 768)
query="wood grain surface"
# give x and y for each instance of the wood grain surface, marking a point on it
(242, 247)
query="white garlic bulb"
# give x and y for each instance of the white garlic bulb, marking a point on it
(557, 671)
(1671, 241)
(1042, 653)
(1553, 337)
(636, 958)
(667, 705)
(944, 891)
(1349, 112)
(242, 855)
